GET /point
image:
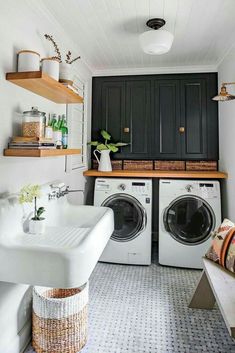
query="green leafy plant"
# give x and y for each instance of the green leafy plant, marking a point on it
(105, 143)
(30, 194)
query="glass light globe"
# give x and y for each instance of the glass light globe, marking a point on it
(156, 42)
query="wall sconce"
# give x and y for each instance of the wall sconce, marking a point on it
(223, 95)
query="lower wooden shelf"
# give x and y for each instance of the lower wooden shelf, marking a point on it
(158, 174)
(10, 152)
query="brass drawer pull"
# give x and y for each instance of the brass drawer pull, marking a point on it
(181, 129)
(126, 129)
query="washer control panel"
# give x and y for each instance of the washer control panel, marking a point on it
(208, 190)
(140, 188)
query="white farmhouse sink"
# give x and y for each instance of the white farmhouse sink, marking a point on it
(65, 255)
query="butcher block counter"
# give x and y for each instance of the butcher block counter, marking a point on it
(174, 174)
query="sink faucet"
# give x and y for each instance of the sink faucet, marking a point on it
(59, 191)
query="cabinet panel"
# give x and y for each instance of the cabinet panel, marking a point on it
(112, 108)
(137, 119)
(166, 120)
(194, 118)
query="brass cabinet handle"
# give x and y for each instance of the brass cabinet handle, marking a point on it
(126, 129)
(181, 129)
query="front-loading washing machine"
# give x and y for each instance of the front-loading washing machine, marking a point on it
(189, 210)
(131, 201)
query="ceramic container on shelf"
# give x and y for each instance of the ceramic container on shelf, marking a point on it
(66, 73)
(104, 162)
(28, 60)
(36, 227)
(51, 67)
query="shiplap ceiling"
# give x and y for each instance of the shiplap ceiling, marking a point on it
(106, 31)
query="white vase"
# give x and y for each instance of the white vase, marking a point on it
(66, 73)
(51, 67)
(104, 161)
(36, 227)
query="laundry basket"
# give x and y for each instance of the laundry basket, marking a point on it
(60, 319)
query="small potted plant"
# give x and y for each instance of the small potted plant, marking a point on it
(65, 74)
(30, 194)
(104, 147)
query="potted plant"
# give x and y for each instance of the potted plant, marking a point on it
(104, 147)
(65, 74)
(30, 194)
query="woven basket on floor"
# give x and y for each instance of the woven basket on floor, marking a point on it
(60, 319)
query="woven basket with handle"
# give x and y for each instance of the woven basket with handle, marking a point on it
(60, 319)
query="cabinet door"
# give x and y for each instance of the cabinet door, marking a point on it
(137, 119)
(108, 108)
(194, 118)
(166, 120)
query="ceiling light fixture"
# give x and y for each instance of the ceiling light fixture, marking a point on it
(156, 41)
(223, 95)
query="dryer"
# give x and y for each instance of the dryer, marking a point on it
(189, 210)
(131, 201)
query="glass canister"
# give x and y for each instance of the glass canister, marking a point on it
(33, 124)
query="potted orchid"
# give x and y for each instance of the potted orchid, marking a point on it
(30, 194)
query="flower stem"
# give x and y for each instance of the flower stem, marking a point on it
(35, 208)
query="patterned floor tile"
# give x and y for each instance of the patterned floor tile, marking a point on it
(138, 309)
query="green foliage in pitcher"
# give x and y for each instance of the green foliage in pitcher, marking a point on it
(105, 143)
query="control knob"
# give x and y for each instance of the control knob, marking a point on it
(189, 187)
(122, 187)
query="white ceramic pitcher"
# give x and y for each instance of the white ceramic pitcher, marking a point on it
(104, 162)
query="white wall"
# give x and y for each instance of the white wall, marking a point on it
(22, 26)
(226, 73)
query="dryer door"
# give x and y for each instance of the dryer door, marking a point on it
(129, 216)
(189, 220)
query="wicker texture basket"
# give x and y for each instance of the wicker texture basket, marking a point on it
(60, 319)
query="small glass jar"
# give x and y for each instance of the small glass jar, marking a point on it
(33, 124)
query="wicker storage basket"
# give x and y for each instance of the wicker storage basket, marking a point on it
(60, 319)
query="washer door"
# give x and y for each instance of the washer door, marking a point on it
(129, 216)
(189, 220)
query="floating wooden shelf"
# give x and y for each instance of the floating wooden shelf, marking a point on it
(40, 153)
(158, 174)
(40, 83)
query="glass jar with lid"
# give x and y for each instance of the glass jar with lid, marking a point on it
(33, 124)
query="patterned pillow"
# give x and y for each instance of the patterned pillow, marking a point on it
(221, 236)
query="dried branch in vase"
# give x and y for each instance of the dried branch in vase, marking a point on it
(58, 56)
(68, 57)
(50, 38)
(75, 59)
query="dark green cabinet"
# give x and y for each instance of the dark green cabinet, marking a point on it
(193, 119)
(168, 117)
(137, 119)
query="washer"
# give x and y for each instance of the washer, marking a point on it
(189, 210)
(131, 201)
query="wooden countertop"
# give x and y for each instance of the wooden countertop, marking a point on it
(182, 174)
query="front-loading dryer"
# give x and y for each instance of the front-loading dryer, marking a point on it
(189, 211)
(131, 201)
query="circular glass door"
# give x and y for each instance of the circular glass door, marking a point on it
(129, 216)
(189, 220)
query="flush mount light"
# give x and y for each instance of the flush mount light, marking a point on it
(156, 41)
(223, 95)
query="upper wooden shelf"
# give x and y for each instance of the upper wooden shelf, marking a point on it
(13, 152)
(40, 83)
(158, 174)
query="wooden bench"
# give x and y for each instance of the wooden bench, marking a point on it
(216, 284)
